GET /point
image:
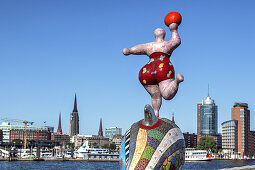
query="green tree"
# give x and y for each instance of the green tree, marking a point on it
(112, 146)
(70, 145)
(95, 145)
(17, 141)
(207, 143)
(105, 146)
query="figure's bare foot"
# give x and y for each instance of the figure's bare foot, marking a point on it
(179, 78)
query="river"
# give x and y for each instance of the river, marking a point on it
(77, 165)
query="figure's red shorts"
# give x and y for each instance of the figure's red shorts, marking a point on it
(159, 68)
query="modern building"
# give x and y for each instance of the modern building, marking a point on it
(190, 140)
(251, 144)
(112, 131)
(229, 139)
(59, 131)
(241, 113)
(11, 132)
(74, 120)
(207, 118)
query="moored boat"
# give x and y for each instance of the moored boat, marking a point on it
(197, 155)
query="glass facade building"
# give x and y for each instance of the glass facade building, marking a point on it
(112, 131)
(208, 117)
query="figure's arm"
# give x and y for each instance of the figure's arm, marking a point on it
(136, 50)
(175, 40)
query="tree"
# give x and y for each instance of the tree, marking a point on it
(70, 145)
(95, 145)
(207, 143)
(112, 146)
(17, 141)
(105, 146)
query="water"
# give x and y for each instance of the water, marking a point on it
(77, 165)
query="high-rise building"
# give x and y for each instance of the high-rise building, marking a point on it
(74, 120)
(59, 131)
(207, 118)
(100, 131)
(112, 131)
(241, 113)
(229, 136)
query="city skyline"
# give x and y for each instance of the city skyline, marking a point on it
(50, 50)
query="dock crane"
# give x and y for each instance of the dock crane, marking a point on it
(25, 130)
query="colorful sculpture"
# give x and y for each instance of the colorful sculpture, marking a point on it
(157, 76)
(154, 142)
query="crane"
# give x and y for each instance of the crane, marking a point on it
(25, 129)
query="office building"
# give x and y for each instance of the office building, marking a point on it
(11, 132)
(229, 139)
(74, 120)
(112, 131)
(241, 113)
(190, 140)
(207, 118)
(62, 139)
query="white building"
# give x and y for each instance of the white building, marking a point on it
(229, 139)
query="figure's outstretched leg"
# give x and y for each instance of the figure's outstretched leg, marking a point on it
(168, 88)
(156, 98)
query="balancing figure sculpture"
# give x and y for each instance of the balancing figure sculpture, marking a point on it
(157, 76)
(154, 142)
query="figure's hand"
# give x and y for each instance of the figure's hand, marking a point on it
(173, 26)
(126, 51)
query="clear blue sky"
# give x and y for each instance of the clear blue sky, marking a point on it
(51, 49)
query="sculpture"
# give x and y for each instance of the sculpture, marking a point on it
(154, 142)
(157, 76)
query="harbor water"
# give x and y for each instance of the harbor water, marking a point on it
(79, 165)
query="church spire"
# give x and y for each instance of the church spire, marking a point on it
(100, 131)
(173, 117)
(75, 105)
(59, 131)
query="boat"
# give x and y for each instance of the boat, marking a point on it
(197, 155)
(85, 150)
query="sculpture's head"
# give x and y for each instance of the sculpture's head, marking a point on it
(153, 143)
(159, 33)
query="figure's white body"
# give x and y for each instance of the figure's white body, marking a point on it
(166, 88)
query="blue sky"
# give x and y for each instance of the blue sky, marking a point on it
(50, 49)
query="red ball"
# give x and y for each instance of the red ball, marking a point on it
(173, 17)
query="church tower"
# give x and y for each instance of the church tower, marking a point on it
(74, 120)
(59, 131)
(100, 131)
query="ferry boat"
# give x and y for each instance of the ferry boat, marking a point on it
(197, 155)
(84, 150)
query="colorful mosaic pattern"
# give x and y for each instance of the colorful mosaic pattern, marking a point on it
(158, 148)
